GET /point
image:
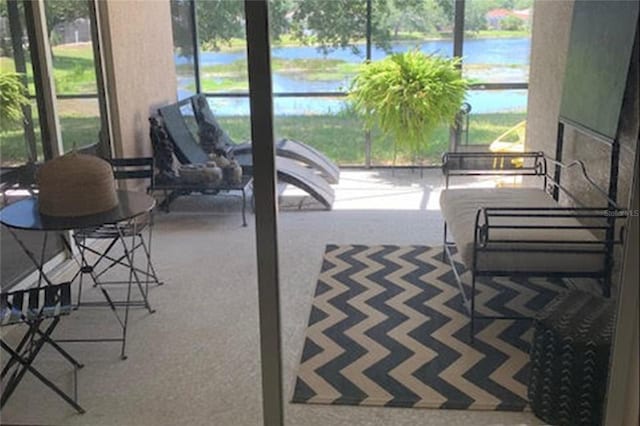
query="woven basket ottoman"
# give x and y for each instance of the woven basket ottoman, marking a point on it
(570, 359)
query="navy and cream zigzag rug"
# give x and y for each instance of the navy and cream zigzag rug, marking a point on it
(387, 328)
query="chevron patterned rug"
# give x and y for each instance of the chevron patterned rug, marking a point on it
(387, 328)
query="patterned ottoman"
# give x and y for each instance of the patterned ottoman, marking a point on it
(570, 359)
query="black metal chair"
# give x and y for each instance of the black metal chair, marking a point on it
(34, 307)
(123, 169)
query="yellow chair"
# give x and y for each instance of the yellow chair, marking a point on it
(505, 143)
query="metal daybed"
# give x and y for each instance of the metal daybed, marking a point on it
(523, 231)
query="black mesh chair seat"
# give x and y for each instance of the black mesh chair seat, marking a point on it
(113, 231)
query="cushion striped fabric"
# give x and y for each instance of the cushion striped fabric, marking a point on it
(35, 304)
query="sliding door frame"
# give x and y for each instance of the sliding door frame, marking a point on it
(266, 208)
(43, 77)
(622, 396)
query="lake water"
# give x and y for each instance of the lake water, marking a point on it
(508, 60)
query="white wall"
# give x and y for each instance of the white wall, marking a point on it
(550, 39)
(138, 54)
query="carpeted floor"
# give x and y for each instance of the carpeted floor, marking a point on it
(196, 360)
(388, 328)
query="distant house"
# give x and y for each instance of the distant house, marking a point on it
(495, 17)
(524, 14)
(77, 31)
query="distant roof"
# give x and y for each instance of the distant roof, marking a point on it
(524, 13)
(503, 13)
(498, 13)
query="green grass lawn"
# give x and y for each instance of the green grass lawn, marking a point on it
(286, 40)
(77, 132)
(73, 67)
(339, 136)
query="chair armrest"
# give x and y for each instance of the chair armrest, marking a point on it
(484, 163)
(550, 223)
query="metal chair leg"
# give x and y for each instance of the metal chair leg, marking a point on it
(60, 350)
(26, 338)
(151, 270)
(148, 248)
(473, 307)
(444, 242)
(25, 356)
(133, 273)
(34, 348)
(244, 208)
(26, 366)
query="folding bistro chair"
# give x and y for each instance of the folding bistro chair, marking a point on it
(34, 307)
(123, 169)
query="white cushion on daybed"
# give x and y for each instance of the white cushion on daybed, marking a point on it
(459, 207)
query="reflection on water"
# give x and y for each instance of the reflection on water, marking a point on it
(482, 102)
(487, 60)
(478, 51)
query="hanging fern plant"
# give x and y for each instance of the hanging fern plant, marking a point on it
(408, 95)
(12, 98)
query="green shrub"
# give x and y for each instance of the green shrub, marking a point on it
(12, 98)
(407, 96)
(511, 23)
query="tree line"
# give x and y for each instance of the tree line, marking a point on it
(330, 24)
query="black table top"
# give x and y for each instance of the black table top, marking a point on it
(24, 214)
